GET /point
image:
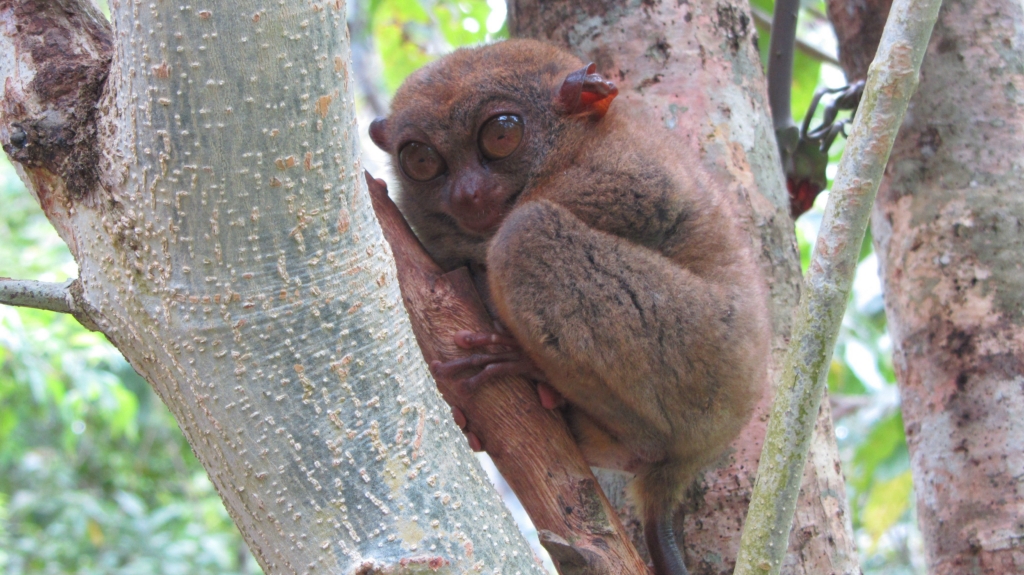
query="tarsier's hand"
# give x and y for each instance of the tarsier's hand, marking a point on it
(498, 353)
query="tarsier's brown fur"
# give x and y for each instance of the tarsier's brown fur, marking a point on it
(620, 272)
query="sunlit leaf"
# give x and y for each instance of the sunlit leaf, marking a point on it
(95, 532)
(842, 380)
(806, 72)
(885, 441)
(887, 503)
(402, 31)
(464, 22)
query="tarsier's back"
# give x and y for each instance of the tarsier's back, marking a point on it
(622, 274)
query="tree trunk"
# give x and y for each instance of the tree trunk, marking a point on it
(215, 205)
(695, 69)
(949, 232)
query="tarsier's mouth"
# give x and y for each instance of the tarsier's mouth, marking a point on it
(486, 223)
(483, 223)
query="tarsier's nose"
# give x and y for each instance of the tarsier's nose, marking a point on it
(469, 196)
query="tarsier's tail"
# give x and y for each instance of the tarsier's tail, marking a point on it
(658, 490)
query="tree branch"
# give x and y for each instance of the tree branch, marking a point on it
(530, 445)
(780, 75)
(764, 19)
(290, 374)
(55, 63)
(50, 296)
(892, 80)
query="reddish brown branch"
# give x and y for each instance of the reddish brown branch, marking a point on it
(530, 445)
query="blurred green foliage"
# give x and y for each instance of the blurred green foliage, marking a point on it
(411, 33)
(95, 477)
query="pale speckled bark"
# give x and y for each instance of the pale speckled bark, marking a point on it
(949, 231)
(695, 68)
(227, 248)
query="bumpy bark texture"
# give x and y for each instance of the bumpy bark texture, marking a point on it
(213, 199)
(949, 231)
(695, 70)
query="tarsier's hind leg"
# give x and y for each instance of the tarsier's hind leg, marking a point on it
(620, 330)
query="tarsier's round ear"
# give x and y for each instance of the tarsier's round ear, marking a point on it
(378, 133)
(586, 92)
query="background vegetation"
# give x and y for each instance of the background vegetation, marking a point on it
(95, 476)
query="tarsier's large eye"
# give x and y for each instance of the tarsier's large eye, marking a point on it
(500, 136)
(421, 162)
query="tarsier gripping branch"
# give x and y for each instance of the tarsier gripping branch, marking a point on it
(625, 286)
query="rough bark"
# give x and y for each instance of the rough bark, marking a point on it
(949, 232)
(694, 69)
(213, 200)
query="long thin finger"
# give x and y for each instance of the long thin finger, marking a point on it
(459, 417)
(474, 442)
(470, 340)
(450, 368)
(549, 398)
(495, 370)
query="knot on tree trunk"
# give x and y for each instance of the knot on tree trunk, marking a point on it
(49, 116)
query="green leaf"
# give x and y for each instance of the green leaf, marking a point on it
(887, 503)
(766, 6)
(402, 31)
(842, 380)
(806, 72)
(885, 441)
(463, 23)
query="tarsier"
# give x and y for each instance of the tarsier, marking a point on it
(623, 280)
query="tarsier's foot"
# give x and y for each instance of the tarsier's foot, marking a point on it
(510, 361)
(549, 396)
(520, 365)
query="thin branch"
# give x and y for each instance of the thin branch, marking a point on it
(764, 19)
(892, 80)
(780, 62)
(780, 77)
(50, 296)
(530, 445)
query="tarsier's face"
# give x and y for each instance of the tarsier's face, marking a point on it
(467, 161)
(470, 132)
(467, 133)
(472, 176)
